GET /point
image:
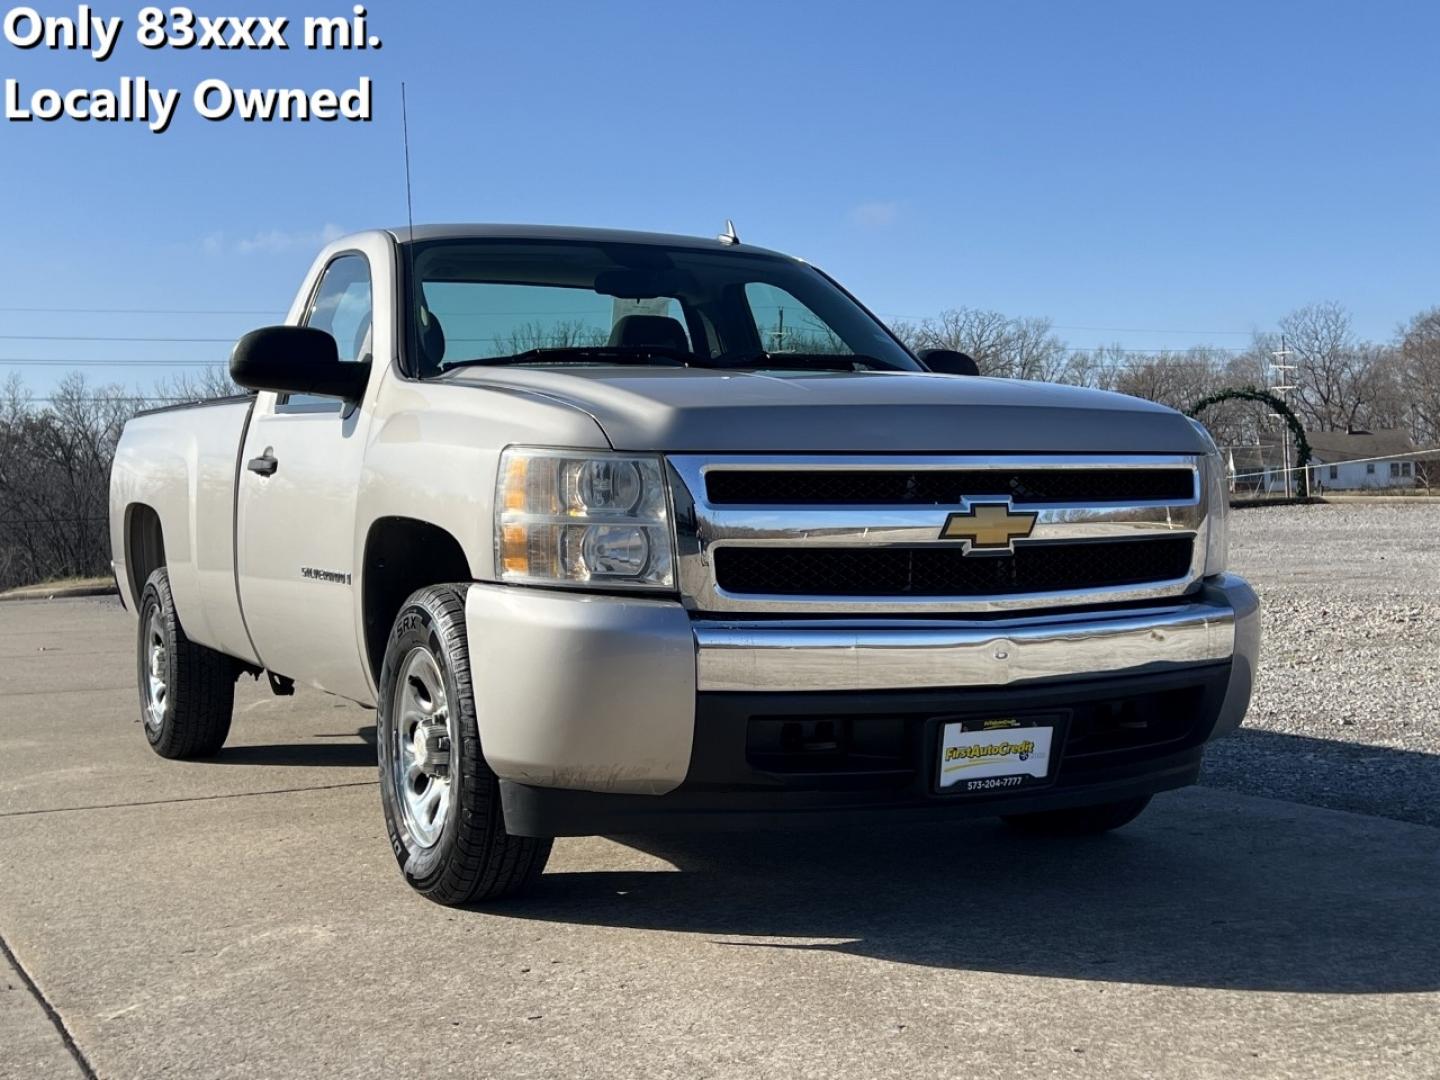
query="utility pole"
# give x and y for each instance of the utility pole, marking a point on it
(1279, 362)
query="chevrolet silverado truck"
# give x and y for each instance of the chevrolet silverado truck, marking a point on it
(619, 532)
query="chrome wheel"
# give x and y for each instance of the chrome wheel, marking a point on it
(420, 758)
(157, 671)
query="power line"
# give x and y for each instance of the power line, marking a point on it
(1168, 350)
(1159, 350)
(1162, 350)
(1136, 359)
(1075, 326)
(1147, 330)
(105, 399)
(52, 310)
(30, 362)
(1140, 363)
(102, 337)
(1158, 353)
(1317, 465)
(139, 311)
(45, 310)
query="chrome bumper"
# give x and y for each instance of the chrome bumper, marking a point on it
(803, 656)
(599, 693)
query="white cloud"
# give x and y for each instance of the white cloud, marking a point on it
(874, 215)
(271, 241)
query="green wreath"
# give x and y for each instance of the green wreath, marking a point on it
(1264, 397)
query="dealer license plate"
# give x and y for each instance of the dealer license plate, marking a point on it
(995, 754)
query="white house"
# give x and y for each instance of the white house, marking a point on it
(1256, 469)
(1355, 460)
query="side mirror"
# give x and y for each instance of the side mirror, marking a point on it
(949, 362)
(296, 360)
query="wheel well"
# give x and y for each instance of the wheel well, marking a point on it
(144, 546)
(401, 556)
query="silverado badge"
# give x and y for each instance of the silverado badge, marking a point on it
(992, 527)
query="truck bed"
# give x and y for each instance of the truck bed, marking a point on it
(182, 461)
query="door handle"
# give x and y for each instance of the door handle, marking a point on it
(265, 464)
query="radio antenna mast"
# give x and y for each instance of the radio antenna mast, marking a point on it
(413, 299)
(405, 127)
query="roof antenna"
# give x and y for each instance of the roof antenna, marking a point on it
(405, 122)
(729, 236)
(412, 288)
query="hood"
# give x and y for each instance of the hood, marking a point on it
(681, 410)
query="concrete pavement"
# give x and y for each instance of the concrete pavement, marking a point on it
(244, 917)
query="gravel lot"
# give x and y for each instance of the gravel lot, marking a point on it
(1347, 710)
(243, 916)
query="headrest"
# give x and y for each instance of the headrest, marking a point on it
(658, 330)
(432, 341)
(363, 335)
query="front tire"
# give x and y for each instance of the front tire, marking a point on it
(1080, 821)
(441, 800)
(187, 692)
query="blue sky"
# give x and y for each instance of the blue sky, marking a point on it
(1163, 171)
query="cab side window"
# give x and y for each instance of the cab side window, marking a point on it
(344, 309)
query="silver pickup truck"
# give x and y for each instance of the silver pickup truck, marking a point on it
(621, 532)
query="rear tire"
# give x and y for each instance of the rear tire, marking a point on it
(441, 800)
(1080, 821)
(187, 692)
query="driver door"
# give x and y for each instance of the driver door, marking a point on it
(299, 476)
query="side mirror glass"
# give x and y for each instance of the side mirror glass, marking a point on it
(949, 362)
(296, 360)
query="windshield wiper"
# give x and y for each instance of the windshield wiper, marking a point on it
(640, 355)
(663, 356)
(799, 362)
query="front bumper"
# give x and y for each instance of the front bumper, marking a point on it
(816, 656)
(618, 696)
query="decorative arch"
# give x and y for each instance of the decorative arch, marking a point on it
(1264, 397)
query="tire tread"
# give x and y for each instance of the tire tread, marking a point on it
(486, 863)
(201, 685)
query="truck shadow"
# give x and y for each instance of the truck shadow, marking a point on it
(331, 753)
(1206, 890)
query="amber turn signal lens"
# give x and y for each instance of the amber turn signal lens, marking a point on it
(515, 470)
(515, 549)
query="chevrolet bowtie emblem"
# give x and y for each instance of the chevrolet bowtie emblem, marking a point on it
(991, 527)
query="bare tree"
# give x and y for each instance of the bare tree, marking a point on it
(1036, 352)
(15, 399)
(981, 334)
(202, 384)
(551, 335)
(1417, 372)
(1336, 375)
(1100, 368)
(54, 479)
(1025, 348)
(1177, 379)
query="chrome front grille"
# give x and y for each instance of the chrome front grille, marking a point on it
(843, 534)
(941, 486)
(917, 571)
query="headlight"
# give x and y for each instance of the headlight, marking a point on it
(1214, 479)
(578, 517)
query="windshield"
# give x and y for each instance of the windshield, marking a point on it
(560, 302)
